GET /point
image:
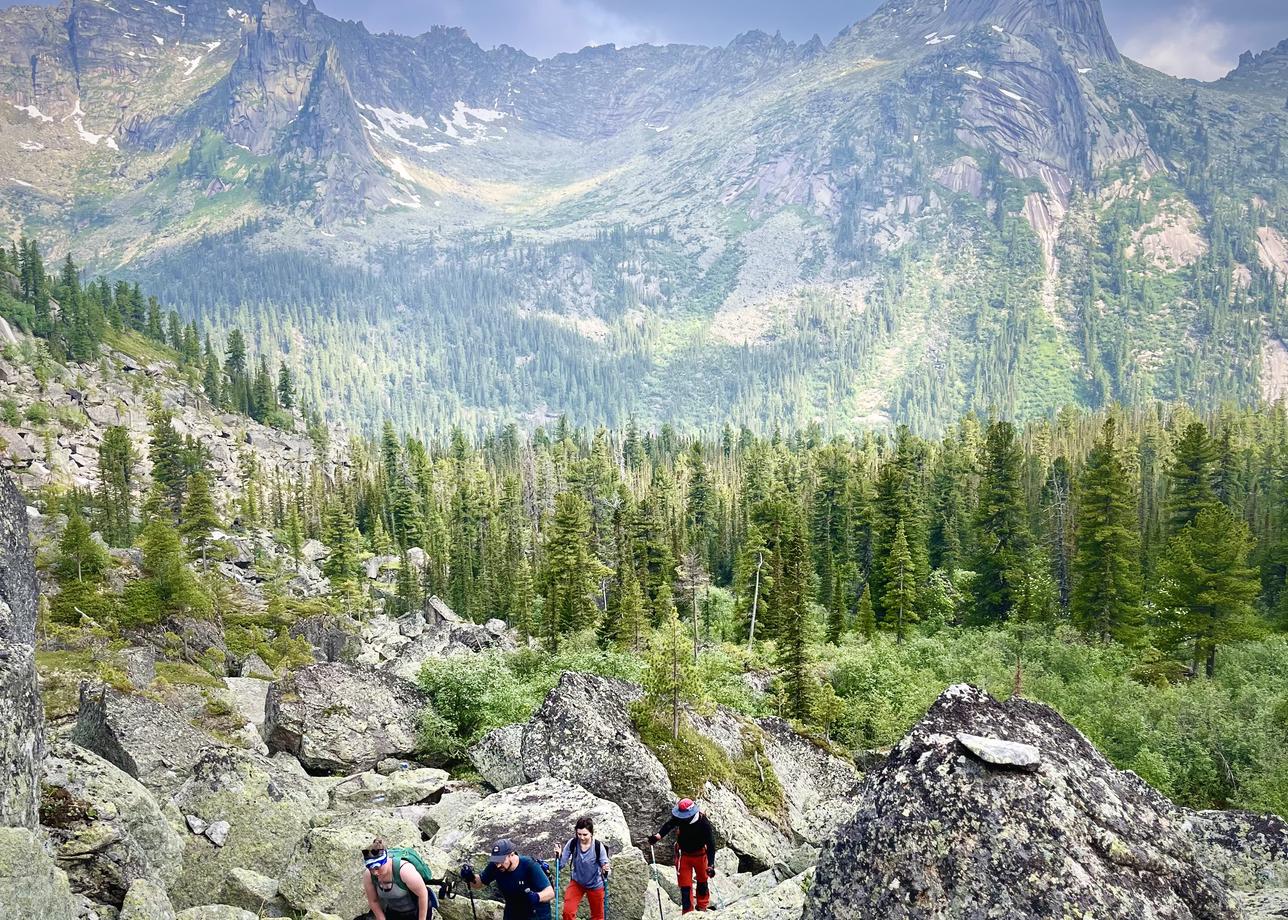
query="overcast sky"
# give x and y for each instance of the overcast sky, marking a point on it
(1191, 38)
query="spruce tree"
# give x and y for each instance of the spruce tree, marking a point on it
(671, 677)
(1106, 577)
(116, 462)
(570, 574)
(199, 517)
(900, 598)
(866, 620)
(80, 557)
(1004, 544)
(1190, 477)
(1206, 587)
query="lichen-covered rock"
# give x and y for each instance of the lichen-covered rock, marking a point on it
(785, 901)
(146, 900)
(140, 736)
(818, 787)
(216, 912)
(1266, 904)
(756, 839)
(325, 873)
(1248, 851)
(108, 830)
(268, 810)
(342, 718)
(540, 817)
(583, 733)
(253, 891)
(940, 833)
(498, 757)
(402, 787)
(31, 885)
(22, 742)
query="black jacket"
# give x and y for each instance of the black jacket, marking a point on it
(693, 835)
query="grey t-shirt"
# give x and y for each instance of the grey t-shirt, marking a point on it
(585, 863)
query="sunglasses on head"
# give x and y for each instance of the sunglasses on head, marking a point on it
(374, 858)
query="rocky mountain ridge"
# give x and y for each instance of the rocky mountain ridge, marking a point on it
(676, 211)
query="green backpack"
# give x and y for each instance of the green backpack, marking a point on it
(401, 854)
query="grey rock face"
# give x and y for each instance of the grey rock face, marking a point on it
(819, 787)
(146, 900)
(107, 829)
(498, 756)
(1248, 851)
(341, 719)
(583, 733)
(143, 738)
(22, 740)
(940, 833)
(31, 885)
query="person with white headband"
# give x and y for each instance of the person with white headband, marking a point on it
(394, 884)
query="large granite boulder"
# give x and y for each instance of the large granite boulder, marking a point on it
(583, 733)
(265, 809)
(818, 786)
(498, 757)
(943, 831)
(785, 901)
(395, 790)
(1248, 851)
(540, 817)
(339, 718)
(31, 885)
(148, 741)
(22, 743)
(108, 831)
(146, 900)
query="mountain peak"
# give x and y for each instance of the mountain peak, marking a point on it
(1077, 26)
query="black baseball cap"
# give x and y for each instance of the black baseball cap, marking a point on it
(500, 850)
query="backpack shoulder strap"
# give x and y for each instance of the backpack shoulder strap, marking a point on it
(397, 860)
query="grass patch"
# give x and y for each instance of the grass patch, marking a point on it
(694, 760)
(180, 673)
(61, 672)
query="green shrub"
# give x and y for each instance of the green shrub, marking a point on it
(38, 413)
(9, 413)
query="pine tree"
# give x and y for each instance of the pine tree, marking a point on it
(1106, 577)
(199, 517)
(1190, 477)
(80, 557)
(631, 618)
(1001, 561)
(167, 588)
(116, 461)
(343, 540)
(1206, 587)
(285, 387)
(900, 598)
(671, 677)
(409, 595)
(170, 468)
(866, 621)
(570, 575)
(793, 643)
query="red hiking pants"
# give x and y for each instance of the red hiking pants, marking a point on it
(572, 900)
(686, 867)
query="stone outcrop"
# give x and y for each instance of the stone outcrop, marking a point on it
(339, 718)
(819, 787)
(31, 885)
(942, 832)
(498, 757)
(583, 733)
(107, 829)
(22, 741)
(145, 739)
(268, 811)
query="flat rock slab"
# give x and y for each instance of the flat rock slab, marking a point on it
(1001, 753)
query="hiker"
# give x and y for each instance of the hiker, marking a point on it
(396, 883)
(589, 860)
(522, 882)
(695, 852)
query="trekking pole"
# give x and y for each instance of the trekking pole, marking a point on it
(605, 897)
(469, 890)
(558, 890)
(656, 881)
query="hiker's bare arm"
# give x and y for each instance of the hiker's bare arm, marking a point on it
(377, 912)
(548, 894)
(416, 885)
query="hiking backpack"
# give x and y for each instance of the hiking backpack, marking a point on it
(572, 846)
(399, 855)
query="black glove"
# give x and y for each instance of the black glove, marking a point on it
(711, 871)
(654, 838)
(467, 872)
(534, 898)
